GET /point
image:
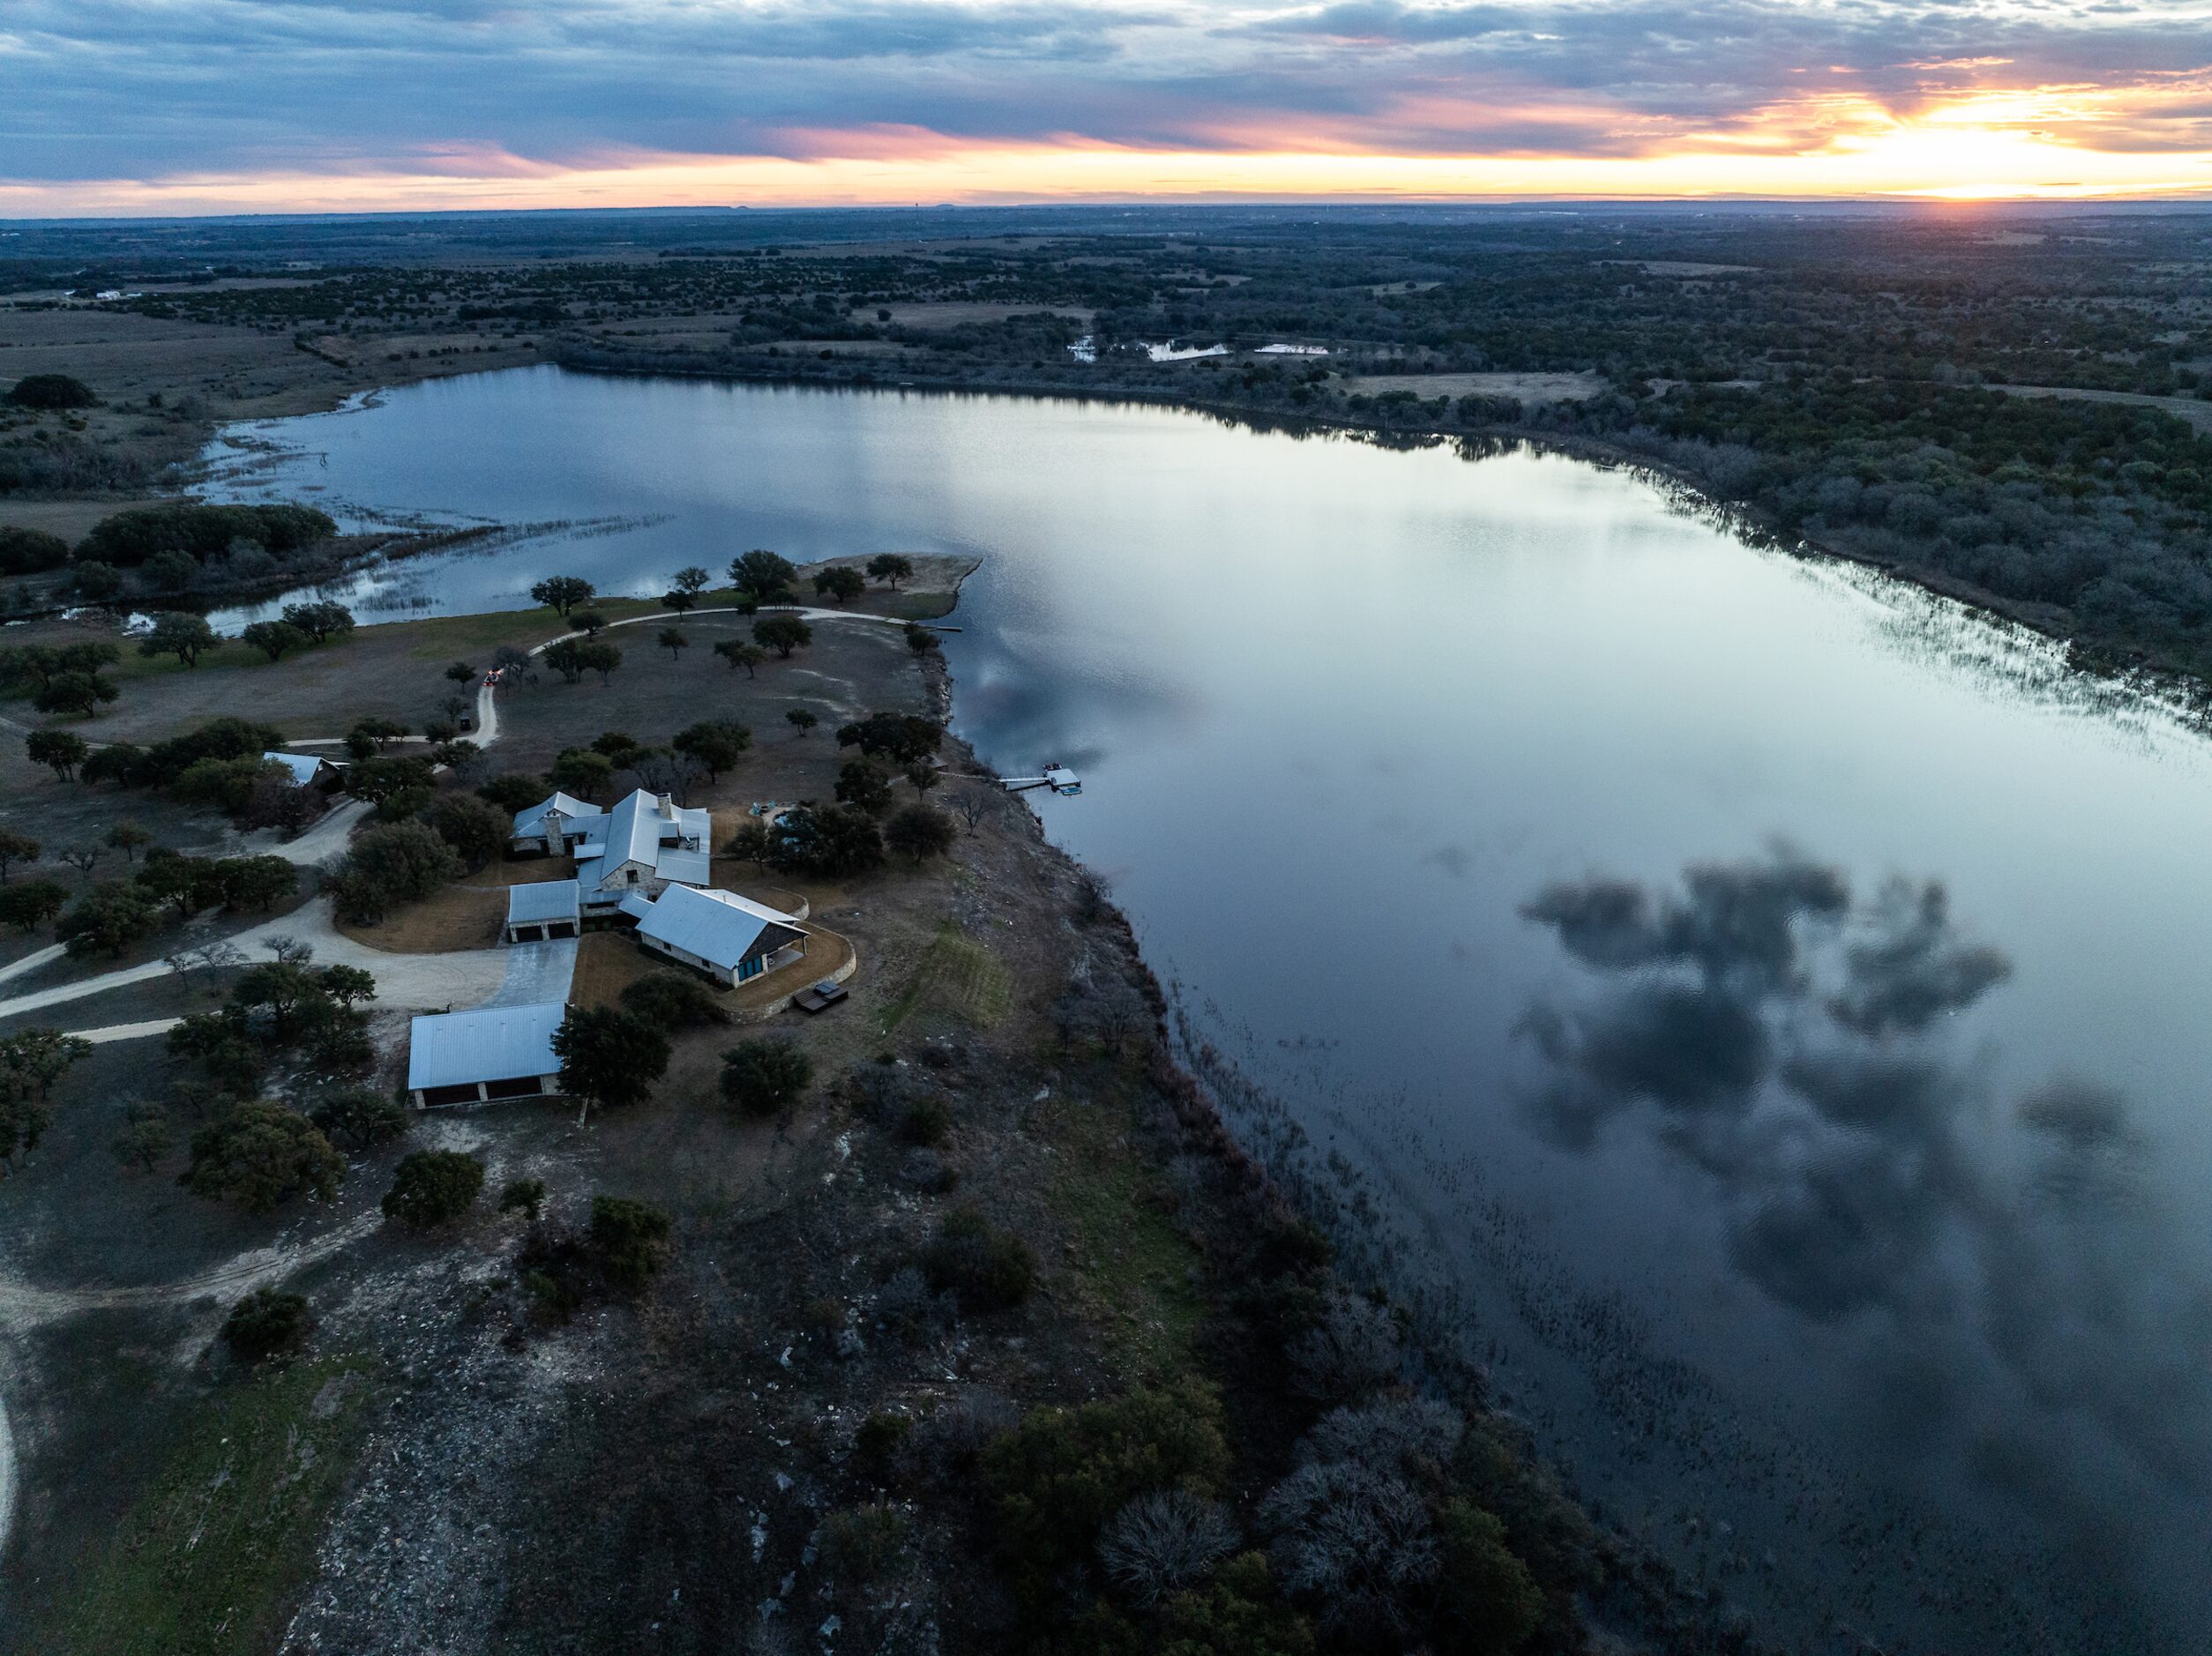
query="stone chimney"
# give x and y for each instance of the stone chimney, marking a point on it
(667, 807)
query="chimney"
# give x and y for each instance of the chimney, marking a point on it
(667, 807)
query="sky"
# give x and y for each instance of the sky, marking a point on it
(212, 106)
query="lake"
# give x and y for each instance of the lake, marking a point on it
(1759, 1007)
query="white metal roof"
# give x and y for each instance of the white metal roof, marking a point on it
(531, 820)
(303, 766)
(545, 899)
(718, 926)
(491, 1043)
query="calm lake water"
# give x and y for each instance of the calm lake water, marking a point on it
(1771, 999)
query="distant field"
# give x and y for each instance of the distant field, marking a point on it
(1527, 387)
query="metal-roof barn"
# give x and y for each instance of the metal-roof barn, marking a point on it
(481, 1055)
(548, 908)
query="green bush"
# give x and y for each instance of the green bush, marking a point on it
(360, 1117)
(266, 1324)
(860, 1543)
(672, 1000)
(526, 1195)
(925, 1122)
(1058, 1476)
(631, 1238)
(988, 1269)
(1490, 1603)
(762, 1076)
(1236, 1614)
(30, 551)
(51, 391)
(876, 1446)
(430, 1187)
(258, 1154)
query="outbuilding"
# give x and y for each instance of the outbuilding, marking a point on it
(727, 937)
(308, 770)
(546, 909)
(485, 1054)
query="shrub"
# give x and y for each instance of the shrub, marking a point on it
(631, 1238)
(146, 1138)
(1165, 1542)
(1055, 1480)
(1490, 1603)
(672, 1000)
(430, 1187)
(259, 1153)
(360, 1117)
(926, 1122)
(1357, 1541)
(860, 1543)
(30, 904)
(919, 831)
(525, 1196)
(876, 1446)
(1236, 1614)
(987, 1269)
(476, 832)
(266, 1324)
(924, 1170)
(30, 551)
(828, 841)
(763, 1075)
(900, 738)
(130, 538)
(1353, 1350)
(51, 392)
(511, 793)
(106, 920)
(391, 864)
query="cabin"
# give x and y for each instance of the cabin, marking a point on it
(308, 770)
(548, 909)
(719, 933)
(546, 826)
(484, 1056)
(646, 845)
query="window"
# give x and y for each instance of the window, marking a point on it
(749, 968)
(629, 875)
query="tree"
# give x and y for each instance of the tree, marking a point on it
(372, 735)
(59, 750)
(782, 634)
(512, 792)
(674, 641)
(476, 832)
(580, 771)
(752, 840)
(377, 780)
(122, 763)
(922, 640)
(865, 786)
(631, 1238)
(32, 904)
(602, 659)
(461, 673)
(801, 721)
(526, 1195)
(891, 569)
(360, 1117)
(184, 636)
(715, 745)
(74, 693)
(511, 664)
(840, 583)
(1162, 1542)
(901, 738)
(391, 864)
(322, 621)
(690, 582)
(106, 920)
(274, 638)
(15, 848)
(830, 841)
(918, 831)
(30, 1063)
(95, 583)
(592, 622)
(129, 838)
(561, 593)
(739, 653)
(431, 1187)
(565, 656)
(763, 1076)
(672, 1000)
(255, 885)
(923, 776)
(266, 1324)
(763, 574)
(146, 1138)
(187, 883)
(258, 1154)
(609, 1057)
(30, 551)
(82, 858)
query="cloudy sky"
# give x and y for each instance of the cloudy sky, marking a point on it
(271, 104)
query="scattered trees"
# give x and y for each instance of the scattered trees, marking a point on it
(891, 569)
(561, 593)
(801, 721)
(900, 738)
(181, 634)
(782, 634)
(431, 1187)
(61, 751)
(30, 1063)
(372, 735)
(259, 1153)
(81, 693)
(30, 551)
(826, 840)
(609, 1057)
(201, 530)
(763, 1075)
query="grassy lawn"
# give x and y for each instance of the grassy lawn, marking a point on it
(1125, 1247)
(207, 1561)
(956, 976)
